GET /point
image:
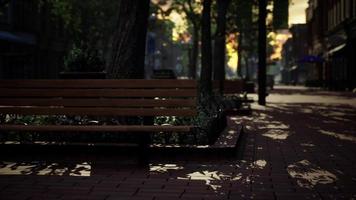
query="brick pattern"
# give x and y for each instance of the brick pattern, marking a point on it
(288, 151)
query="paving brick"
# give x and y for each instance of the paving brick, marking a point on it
(286, 196)
(116, 177)
(15, 197)
(118, 197)
(198, 195)
(44, 196)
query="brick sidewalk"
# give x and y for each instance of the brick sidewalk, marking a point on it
(292, 149)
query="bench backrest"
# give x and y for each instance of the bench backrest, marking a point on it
(125, 97)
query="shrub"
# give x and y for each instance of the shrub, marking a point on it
(83, 59)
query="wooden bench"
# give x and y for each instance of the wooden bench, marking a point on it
(107, 98)
(236, 91)
(233, 87)
(236, 87)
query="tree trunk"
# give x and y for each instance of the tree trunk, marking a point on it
(262, 39)
(128, 56)
(220, 43)
(248, 42)
(247, 66)
(244, 54)
(194, 53)
(239, 55)
(206, 53)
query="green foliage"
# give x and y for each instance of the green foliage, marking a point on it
(90, 23)
(240, 15)
(28, 119)
(83, 60)
(244, 14)
(209, 123)
(163, 138)
(62, 9)
(280, 14)
(191, 9)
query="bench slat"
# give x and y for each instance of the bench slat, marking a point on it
(97, 93)
(97, 102)
(97, 111)
(91, 128)
(105, 83)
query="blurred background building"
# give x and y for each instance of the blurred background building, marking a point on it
(163, 55)
(32, 42)
(331, 43)
(294, 70)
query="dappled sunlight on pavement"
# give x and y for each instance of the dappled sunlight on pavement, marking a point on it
(161, 168)
(36, 168)
(310, 135)
(291, 149)
(339, 136)
(309, 175)
(277, 134)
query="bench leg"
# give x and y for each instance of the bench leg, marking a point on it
(3, 136)
(144, 149)
(145, 141)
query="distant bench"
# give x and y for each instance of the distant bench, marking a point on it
(236, 87)
(233, 87)
(103, 98)
(236, 92)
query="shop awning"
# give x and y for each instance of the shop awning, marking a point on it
(336, 49)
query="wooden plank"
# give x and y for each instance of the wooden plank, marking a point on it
(89, 83)
(98, 93)
(94, 128)
(97, 111)
(97, 102)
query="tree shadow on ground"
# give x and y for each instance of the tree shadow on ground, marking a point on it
(313, 143)
(297, 150)
(314, 92)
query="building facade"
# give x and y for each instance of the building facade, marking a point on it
(286, 61)
(294, 71)
(332, 38)
(32, 40)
